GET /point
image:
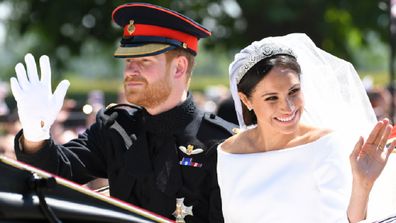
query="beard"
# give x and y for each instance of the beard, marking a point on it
(151, 95)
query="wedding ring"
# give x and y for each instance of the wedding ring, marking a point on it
(380, 147)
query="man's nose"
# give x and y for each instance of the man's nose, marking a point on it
(131, 68)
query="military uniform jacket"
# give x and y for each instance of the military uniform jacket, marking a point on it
(149, 160)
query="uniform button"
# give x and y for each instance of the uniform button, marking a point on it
(236, 130)
(212, 116)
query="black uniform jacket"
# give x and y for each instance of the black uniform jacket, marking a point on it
(149, 160)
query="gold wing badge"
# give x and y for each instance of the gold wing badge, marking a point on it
(190, 150)
(188, 161)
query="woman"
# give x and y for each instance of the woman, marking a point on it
(289, 163)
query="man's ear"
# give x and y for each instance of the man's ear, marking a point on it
(245, 100)
(181, 66)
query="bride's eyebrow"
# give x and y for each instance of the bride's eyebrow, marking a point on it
(295, 86)
(268, 94)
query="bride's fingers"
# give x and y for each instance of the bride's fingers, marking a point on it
(358, 147)
(384, 137)
(377, 132)
(390, 148)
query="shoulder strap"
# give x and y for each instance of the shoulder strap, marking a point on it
(113, 112)
(215, 120)
(210, 122)
(127, 107)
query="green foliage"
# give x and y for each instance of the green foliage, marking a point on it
(80, 85)
(62, 28)
(380, 79)
(200, 83)
(234, 24)
(83, 85)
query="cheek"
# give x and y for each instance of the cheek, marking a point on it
(299, 100)
(296, 100)
(265, 109)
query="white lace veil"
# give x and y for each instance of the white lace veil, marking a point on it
(334, 94)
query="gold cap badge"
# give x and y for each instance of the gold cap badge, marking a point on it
(131, 27)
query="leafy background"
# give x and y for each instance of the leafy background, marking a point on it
(80, 37)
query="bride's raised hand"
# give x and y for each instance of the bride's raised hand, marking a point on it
(369, 158)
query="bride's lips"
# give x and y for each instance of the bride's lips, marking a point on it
(286, 119)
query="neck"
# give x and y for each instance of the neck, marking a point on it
(267, 139)
(172, 101)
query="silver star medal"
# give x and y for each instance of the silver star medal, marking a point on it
(181, 210)
(190, 150)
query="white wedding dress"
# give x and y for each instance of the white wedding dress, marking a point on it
(306, 183)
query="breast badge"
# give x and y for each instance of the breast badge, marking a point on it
(190, 150)
(181, 210)
(188, 162)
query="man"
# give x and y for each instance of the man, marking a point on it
(161, 155)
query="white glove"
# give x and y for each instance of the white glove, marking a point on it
(37, 106)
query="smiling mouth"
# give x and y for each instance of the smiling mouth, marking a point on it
(287, 119)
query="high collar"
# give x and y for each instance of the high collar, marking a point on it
(172, 120)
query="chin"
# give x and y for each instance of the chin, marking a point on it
(132, 99)
(289, 130)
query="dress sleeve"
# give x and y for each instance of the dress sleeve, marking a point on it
(334, 177)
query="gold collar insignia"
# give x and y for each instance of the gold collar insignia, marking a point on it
(190, 150)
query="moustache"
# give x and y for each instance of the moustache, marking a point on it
(135, 79)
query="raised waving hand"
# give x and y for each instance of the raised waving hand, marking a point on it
(368, 159)
(37, 105)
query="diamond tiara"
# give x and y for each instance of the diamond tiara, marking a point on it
(264, 51)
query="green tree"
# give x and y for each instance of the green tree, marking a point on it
(62, 28)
